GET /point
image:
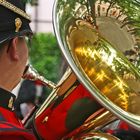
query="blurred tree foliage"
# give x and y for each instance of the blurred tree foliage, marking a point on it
(45, 55)
(32, 2)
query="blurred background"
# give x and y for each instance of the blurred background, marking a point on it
(41, 13)
(45, 56)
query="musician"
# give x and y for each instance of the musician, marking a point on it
(14, 28)
(63, 115)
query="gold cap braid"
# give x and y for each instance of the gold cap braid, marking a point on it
(15, 9)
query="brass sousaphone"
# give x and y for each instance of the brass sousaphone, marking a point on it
(100, 39)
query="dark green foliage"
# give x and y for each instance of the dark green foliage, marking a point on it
(32, 2)
(45, 56)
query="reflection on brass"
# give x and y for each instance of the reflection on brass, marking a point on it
(106, 68)
(95, 122)
(45, 119)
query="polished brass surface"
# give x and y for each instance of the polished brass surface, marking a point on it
(92, 125)
(106, 68)
(97, 121)
(101, 42)
(95, 136)
(59, 89)
(31, 74)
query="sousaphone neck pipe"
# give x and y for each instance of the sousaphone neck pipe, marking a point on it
(31, 74)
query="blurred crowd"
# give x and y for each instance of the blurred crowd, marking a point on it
(30, 94)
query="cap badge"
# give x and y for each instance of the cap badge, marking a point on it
(18, 24)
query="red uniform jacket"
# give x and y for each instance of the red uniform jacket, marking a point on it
(10, 126)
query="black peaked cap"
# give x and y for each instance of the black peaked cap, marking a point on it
(7, 21)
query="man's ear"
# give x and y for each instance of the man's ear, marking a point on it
(13, 49)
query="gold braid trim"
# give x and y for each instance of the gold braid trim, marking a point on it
(14, 9)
